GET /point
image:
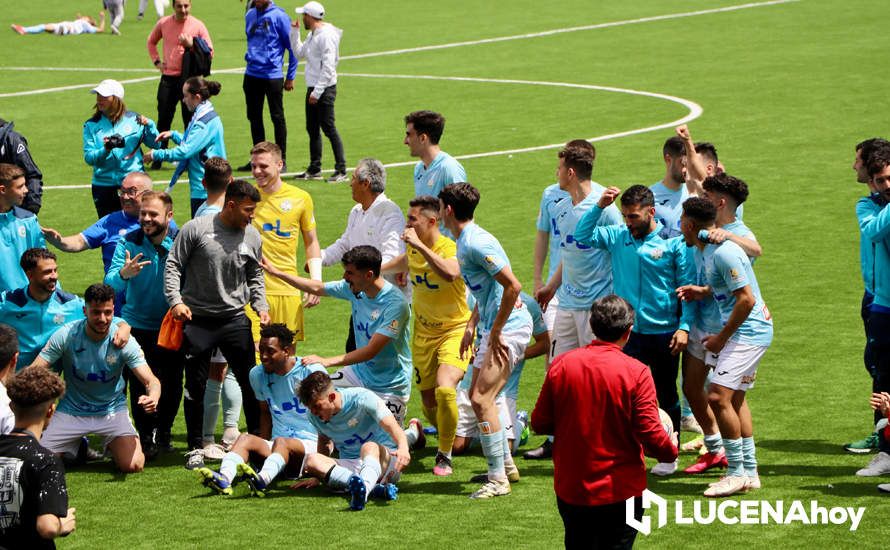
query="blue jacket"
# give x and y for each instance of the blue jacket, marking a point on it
(19, 231)
(145, 305)
(34, 321)
(268, 35)
(645, 272)
(110, 167)
(203, 138)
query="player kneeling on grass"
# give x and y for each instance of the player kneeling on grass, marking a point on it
(96, 400)
(286, 435)
(373, 447)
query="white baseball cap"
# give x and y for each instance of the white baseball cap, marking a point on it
(312, 9)
(109, 88)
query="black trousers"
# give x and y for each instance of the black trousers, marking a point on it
(877, 352)
(233, 337)
(167, 366)
(105, 200)
(867, 359)
(169, 96)
(595, 527)
(256, 90)
(653, 350)
(320, 118)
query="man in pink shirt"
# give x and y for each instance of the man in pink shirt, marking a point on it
(178, 32)
(600, 405)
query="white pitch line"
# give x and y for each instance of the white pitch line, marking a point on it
(695, 111)
(411, 50)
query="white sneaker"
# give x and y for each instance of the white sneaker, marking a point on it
(753, 482)
(492, 489)
(213, 451)
(230, 434)
(884, 487)
(690, 424)
(694, 445)
(194, 459)
(664, 468)
(879, 466)
(729, 485)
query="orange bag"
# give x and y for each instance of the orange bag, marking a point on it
(170, 335)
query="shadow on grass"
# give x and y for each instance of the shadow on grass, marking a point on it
(806, 446)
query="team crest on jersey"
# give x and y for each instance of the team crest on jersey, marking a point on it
(734, 274)
(656, 253)
(59, 319)
(122, 232)
(353, 422)
(375, 314)
(22, 231)
(489, 260)
(286, 205)
(20, 149)
(394, 325)
(111, 359)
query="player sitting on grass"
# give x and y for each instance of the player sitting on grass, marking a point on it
(373, 448)
(286, 436)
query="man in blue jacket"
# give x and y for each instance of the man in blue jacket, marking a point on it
(137, 269)
(268, 36)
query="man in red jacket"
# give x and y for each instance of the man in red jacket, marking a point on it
(600, 405)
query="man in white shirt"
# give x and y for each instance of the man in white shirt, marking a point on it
(321, 52)
(375, 221)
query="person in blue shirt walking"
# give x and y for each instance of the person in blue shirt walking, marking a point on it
(94, 401)
(646, 271)
(268, 36)
(381, 361)
(203, 138)
(37, 310)
(373, 448)
(504, 324)
(19, 228)
(745, 334)
(287, 435)
(112, 144)
(137, 270)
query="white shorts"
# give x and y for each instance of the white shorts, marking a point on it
(398, 405)
(571, 330)
(309, 448)
(737, 366)
(695, 348)
(514, 432)
(468, 424)
(550, 314)
(516, 342)
(355, 464)
(65, 431)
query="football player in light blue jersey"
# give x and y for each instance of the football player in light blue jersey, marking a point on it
(286, 434)
(671, 192)
(585, 273)
(436, 168)
(372, 445)
(94, 401)
(504, 324)
(728, 193)
(381, 361)
(19, 228)
(547, 238)
(746, 334)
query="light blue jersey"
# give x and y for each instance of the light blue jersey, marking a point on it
(867, 208)
(289, 417)
(388, 314)
(357, 422)
(539, 327)
(34, 321)
(443, 171)
(93, 371)
(481, 257)
(669, 208)
(727, 270)
(706, 314)
(207, 209)
(737, 227)
(547, 222)
(19, 231)
(646, 272)
(586, 271)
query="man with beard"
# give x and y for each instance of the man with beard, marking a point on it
(646, 271)
(671, 191)
(94, 402)
(38, 309)
(137, 270)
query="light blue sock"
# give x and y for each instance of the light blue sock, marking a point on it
(370, 472)
(713, 442)
(211, 407)
(272, 467)
(749, 456)
(550, 438)
(231, 400)
(734, 457)
(229, 466)
(36, 29)
(493, 449)
(338, 478)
